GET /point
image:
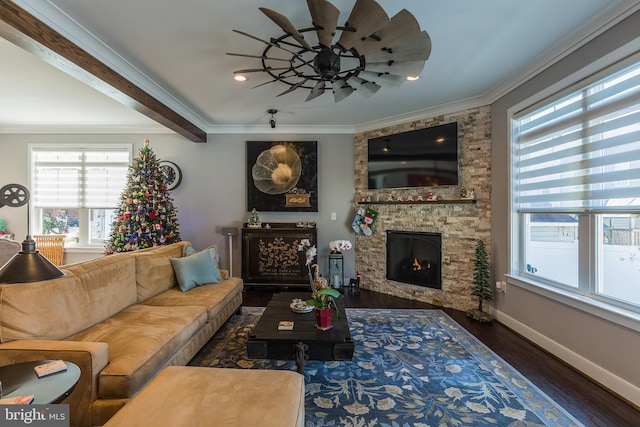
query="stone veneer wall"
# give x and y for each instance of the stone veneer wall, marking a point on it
(461, 225)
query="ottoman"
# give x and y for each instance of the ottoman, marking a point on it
(197, 396)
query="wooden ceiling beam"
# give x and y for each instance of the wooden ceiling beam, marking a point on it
(28, 32)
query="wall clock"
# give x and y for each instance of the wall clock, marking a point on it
(172, 174)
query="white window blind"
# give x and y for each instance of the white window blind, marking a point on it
(580, 150)
(79, 178)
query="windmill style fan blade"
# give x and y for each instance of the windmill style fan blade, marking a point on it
(341, 90)
(257, 70)
(257, 56)
(324, 15)
(265, 83)
(265, 42)
(403, 28)
(317, 90)
(363, 87)
(384, 80)
(367, 16)
(419, 50)
(284, 23)
(292, 88)
(408, 68)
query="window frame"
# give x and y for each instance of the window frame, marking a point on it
(84, 232)
(584, 297)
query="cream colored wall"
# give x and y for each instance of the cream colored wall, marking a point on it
(603, 350)
(212, 194)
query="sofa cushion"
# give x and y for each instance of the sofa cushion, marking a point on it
(200, 268)
(213, 298)
(141, 339)
(197, 396)
(154, 273)
(33, 310)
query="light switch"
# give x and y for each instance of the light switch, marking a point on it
(333, 216)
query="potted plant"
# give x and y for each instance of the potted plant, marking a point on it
(324, 301)
(323, 298)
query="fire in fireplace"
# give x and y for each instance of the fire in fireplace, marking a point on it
(415, 258)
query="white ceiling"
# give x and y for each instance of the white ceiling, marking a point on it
(176, 52)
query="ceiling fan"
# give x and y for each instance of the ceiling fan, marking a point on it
(372, 51)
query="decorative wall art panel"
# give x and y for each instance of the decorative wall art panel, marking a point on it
(282, 176)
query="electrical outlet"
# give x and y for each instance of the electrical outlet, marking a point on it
(501, 286)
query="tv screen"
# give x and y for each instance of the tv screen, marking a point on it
(420, 158)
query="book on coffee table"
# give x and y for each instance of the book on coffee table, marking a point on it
(285, 325)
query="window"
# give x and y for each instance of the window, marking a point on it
(576, 189)
(76, 190)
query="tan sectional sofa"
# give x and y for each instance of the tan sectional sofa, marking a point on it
(120, 318)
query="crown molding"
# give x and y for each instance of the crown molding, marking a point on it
(281, 129)
(86, 129)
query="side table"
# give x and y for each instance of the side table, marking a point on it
(20, 379)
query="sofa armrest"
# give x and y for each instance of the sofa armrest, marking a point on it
(91, 358)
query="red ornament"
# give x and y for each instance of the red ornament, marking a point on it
(127, 214)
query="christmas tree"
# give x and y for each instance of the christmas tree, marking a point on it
(146, 215)
(481, 283)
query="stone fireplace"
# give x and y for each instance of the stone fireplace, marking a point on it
(415, 258)
(459, 223)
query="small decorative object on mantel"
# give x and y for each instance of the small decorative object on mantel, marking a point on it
(306, 224)
(468, 194)
(254, 220)
(481, 284)
(432, 197)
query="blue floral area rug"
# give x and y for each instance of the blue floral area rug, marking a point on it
(411, 368)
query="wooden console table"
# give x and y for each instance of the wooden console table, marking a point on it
(270, 255)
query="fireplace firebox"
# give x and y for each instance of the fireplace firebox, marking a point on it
(415, 258)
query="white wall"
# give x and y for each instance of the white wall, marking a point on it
(604, 350)
(212, 194)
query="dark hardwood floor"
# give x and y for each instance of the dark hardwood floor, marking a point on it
(588, 402)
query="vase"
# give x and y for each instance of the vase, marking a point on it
(323, 317)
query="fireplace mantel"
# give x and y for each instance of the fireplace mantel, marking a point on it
(419, 202)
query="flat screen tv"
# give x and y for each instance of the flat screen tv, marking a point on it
(421, 158)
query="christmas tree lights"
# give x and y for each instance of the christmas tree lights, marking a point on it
(146, 214)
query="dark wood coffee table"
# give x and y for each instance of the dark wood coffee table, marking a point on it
(305, 341)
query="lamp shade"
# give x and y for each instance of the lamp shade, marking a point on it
(29, 265)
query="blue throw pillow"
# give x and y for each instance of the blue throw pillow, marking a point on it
(198, 269)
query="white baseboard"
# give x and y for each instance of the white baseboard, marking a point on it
(614, 383)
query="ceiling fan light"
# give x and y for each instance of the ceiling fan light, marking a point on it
(327, 63)
(240, 78)
(413, 78)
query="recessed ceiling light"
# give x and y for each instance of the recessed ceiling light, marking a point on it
(413, 78)
(240, 78)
